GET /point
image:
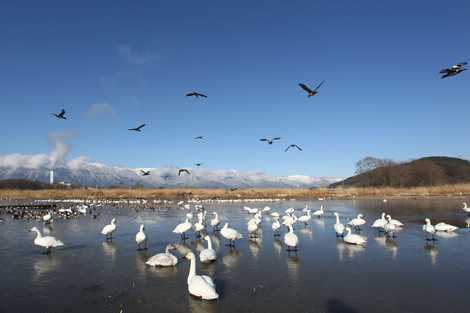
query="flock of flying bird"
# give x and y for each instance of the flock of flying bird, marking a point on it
(203, 286)
(446, 72)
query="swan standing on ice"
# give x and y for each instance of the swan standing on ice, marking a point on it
(305, 218)
(445, 227)
(353, 238)
(380, 223)
(276, 226)
(357, 222)
(141, 238)
(200, 286)
(182, 229)
(109, 229)
(339, 227)
(215, 222)
(466, 208)
(163, 259)
(291, 240)
(429, 229)
(230, 234)
(47, 242)
(47, 218)
(207, 255)
(319, 213)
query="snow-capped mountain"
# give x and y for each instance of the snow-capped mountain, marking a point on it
(80, 172)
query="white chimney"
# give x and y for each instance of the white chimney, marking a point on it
(51, 177)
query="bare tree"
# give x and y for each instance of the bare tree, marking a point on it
(371, 163)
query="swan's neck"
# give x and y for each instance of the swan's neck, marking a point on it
(349, 231)
(192, 269)
(209, 243)
(337, 219)
(38, 234)
(383, 216)
(167, 250)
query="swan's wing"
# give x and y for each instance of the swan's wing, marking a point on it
(208, 280)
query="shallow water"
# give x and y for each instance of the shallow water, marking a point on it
(90, 275)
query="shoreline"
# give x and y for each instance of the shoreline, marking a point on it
(186, 194)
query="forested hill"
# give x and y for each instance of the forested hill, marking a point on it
(428, 171)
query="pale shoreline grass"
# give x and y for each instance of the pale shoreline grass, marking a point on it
(206, 194)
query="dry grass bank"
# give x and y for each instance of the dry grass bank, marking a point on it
(184, 194)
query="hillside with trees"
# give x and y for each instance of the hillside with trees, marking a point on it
(429, 171)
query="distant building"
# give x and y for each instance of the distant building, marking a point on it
(51, 177)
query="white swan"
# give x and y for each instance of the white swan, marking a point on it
(429, 229)
(445, 227)
(207, 255)
(353, 238)
(47, 218)
(109, 229)
(230, 234)
(252, 226)
(200, 286)
(380, 222)
(163, 259)
(276, 226)
(182, 229)
(357, 222)
(141, 238)
(199, 226)
(275, 215)
(339, 227)
(305, 218)
(289, 210)
(466, 208)
(390, 227)
(47, 242)
(290, 239)
(266, 209)
(319, 213)
(215, 222)
(397, 223)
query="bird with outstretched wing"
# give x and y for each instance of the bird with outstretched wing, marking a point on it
(293, 146)
(137, 129)
(270, 141)
(183, 170)
(60, 115)
(309, 91)
(196, 94)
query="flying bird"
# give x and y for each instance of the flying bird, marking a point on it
(183, 170)
(198, 164)
(293, 146)
(145, 173)
(137, 129)
(270, 141)
(196, 94)
(198, 138)
(454, 70)
(61, 115)
(309, 91)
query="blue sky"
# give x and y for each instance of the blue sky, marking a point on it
(135, 60)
